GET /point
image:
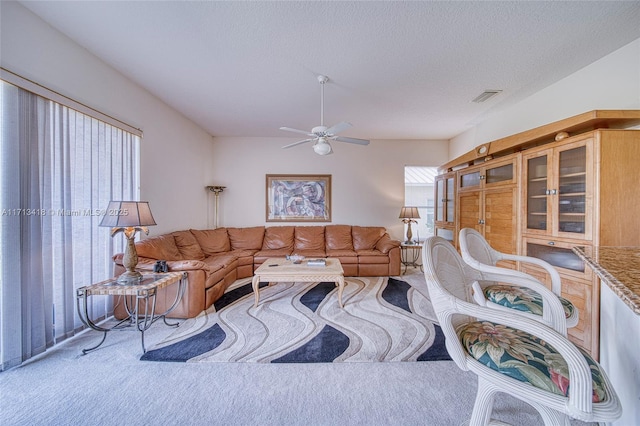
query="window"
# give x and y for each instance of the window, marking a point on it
(418, 192)
(58, 169)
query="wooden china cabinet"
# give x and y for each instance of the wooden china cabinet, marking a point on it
(544, 191)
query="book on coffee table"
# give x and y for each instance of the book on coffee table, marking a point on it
(317, 262)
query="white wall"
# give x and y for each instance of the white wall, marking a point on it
(619, 353)
(612, 82)
(367, 181)
(176, 154)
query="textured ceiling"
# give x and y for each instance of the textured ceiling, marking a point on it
(398, 70)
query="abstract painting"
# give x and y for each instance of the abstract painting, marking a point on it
(301, 198)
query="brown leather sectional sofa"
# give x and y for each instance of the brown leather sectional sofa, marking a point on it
(215, 258)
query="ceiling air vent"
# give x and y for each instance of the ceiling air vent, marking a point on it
(486, 95)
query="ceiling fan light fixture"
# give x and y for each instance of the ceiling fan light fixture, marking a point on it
(321, 134)
(322, 147)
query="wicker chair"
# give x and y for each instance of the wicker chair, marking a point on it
(478, 254)
(511, 352)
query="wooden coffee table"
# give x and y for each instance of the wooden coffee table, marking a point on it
(281, 270)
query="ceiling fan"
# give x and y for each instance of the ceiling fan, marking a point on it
(320, 135)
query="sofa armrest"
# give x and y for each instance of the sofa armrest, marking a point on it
(385, 244)
(147, 264)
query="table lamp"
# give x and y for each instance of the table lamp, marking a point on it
(128, 217)
(408, 216)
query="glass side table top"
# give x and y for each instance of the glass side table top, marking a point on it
(149, 281)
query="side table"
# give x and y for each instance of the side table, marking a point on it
(139, 301)
(409, 256)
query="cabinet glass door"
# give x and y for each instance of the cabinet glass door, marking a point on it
(499, 174)
(440, 200)
(450, 200)
(537, 185)
(572, 190)
(470, 180)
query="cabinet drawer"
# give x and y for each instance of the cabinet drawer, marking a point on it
(559, 254)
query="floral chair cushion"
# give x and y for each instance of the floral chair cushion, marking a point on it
(524, 357)
(522, 298)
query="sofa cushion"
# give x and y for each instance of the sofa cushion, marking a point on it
(278, 237)
(243, 253)
(366, 237)
(212, 241)
(312, 253)
(345, 256)
(188, 245)
(161, 247)
(309, 238)
(263, 255)
(338, 237)
(372, 257)
(246, 238)
(245, 257)
(341, 253)
(221, 260)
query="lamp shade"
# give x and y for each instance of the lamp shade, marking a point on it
(125, 214)
(409, 213)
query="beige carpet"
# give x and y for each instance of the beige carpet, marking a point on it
(112, 387)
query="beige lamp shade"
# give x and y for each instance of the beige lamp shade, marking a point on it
(127, 214)
(409, 213)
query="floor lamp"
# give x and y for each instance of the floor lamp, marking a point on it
(216, 190)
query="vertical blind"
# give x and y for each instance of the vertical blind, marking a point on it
(59, 169)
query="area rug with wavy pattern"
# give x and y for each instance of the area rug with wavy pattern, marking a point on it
(383, 319)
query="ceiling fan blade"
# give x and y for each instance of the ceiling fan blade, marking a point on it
(297, 143)
(340, 127)
(351, 140)
(289, 129)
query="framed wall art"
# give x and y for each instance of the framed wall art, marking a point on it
(298, 198)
